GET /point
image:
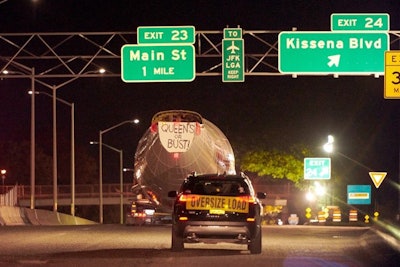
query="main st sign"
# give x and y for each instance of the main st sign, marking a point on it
(332, 52)
(154, 63)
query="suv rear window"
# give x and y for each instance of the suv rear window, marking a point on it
(213, 187)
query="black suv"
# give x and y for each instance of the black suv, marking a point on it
(213, 208)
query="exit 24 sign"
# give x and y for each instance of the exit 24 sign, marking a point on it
(360, 22)
(317, 168)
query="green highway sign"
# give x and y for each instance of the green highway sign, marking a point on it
(233, 33)
(233, 55)
(317, 168)
(360, 22)
(165, 35)
(233, 60)
(158, 63)
(326, 52)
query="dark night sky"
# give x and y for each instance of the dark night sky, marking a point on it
(285, 110)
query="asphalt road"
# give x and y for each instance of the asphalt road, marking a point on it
(119, 245)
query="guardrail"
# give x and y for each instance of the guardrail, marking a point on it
(88, 194)
(64, 191)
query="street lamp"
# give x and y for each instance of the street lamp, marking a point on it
(121, 179)
(72, 106)
(54, 96)
(3, 177)
(135, 121)
(328, 147)
(31, 76)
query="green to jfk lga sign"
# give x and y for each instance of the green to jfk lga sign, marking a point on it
(327, 52)
(233, 55)
(156, 63)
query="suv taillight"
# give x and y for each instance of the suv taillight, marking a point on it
(251, 199)
(183, 198)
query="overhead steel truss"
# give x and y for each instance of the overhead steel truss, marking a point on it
(59, 58)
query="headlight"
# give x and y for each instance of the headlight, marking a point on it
(149, 211)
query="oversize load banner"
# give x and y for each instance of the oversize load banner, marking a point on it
(203, 202)
(176, 136)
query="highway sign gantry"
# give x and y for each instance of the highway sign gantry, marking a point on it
(317, 168)
(155, 63)
(348, 53)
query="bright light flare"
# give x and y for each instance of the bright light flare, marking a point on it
(310, 196)
(320, 190)
(328, 147)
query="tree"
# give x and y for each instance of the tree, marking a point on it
(15, 158)
(277, 164)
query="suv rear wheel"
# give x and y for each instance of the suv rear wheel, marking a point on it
(255, 244)
(177, 241)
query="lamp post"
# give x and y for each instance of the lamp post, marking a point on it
(54, 95)
(72, 106)
(328, 147)
(33, 141)
(3, 177)
(135, 121)
(31, 76)
(121, 179)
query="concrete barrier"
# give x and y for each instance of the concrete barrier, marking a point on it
(11, 216)
(32, 216)
(25, 216)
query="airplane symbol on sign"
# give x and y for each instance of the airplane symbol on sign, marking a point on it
(233, 48)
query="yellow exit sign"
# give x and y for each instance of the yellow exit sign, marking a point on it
(392, 74)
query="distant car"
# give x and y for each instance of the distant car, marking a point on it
(140, 212)
(214, 208)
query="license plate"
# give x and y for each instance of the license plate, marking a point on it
(219, 212)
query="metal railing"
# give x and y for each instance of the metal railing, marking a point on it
(109, 190)
(64, 191)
